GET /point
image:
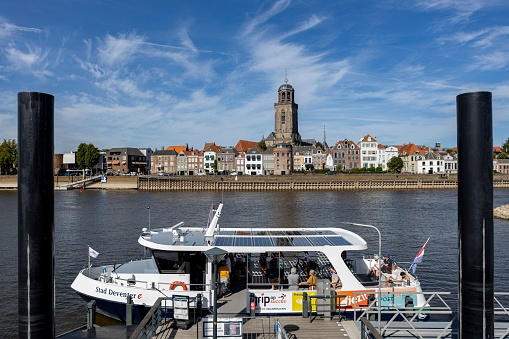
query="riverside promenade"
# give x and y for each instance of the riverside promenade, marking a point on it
(267, 183)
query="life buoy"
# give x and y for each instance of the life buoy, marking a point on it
(178, 283)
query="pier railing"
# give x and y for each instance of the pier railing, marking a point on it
(151, 183)
(443, 319)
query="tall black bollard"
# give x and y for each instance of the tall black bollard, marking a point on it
(475, 215)
(36, 263)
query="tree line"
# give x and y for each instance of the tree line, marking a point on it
(87, 156)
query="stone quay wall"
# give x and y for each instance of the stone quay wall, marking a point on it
(267, 183)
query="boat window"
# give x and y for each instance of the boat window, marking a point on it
(170, 262)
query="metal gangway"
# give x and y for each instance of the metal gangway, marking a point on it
(81, 182)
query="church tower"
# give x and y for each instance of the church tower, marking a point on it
(286, 116)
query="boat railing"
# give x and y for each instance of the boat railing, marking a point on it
(133, 281)
(501, 311)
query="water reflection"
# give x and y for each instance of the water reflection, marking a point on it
(111, 221)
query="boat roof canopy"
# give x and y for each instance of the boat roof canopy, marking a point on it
(280, 238)
(249, 239)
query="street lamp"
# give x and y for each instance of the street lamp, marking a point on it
(379, 270)
(214, 254)
(148, 218)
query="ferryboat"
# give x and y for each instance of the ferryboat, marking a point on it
(177, 265)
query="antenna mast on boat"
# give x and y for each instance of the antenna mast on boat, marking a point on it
(209, 234)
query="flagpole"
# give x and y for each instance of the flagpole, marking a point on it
(423, 246)
(89, 260)
(379, 297)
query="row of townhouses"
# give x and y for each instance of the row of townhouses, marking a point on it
(284, 152)
(247, 157)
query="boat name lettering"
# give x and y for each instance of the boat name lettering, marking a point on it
(356, 299)
(109, 291)
(264, 299)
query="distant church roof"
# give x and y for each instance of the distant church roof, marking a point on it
(286, 85)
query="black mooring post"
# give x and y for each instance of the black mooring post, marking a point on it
(36, 263)
(475, 215)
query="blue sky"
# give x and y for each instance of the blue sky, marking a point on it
(159, 73)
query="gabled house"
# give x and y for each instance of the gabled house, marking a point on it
(254, 161)
(164, 161)
(369, 151)
(408, 154)
(283, 159)
(319, 158)
(389, 153)
(346, 155)
(210, 157)
(195, 162)
(429, 163)
(268, 161)
(226, 160)
(244, 145)
(303, 158)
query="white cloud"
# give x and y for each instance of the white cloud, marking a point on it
(8, 30)
(493, 36)
(117, 52)
(491, 62)
(276, 8)
(462, 37)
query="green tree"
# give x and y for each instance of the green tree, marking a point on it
(262, 144)
(502, 155)
(87, 156)
(318, 144)
(395, 164)
(8, 156)
(505, 146)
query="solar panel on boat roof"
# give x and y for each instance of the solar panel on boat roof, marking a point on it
(319, 241)
(282, 241)
(301, 242)
(224, 241)
(243, 241)
(338, 241)
(262, 241)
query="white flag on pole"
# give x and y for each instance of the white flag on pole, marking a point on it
(93, 253)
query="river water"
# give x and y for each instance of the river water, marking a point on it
(111, 221)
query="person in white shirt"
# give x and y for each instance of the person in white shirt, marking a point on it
(375, 269)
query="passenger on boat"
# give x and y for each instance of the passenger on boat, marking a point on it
(311, 282)
(405, 278)
(392, 278)
(293, 279)
(375, 270)
(224, 279)
(273, 270)
(335, 282)
(387, 264)
(281, 267)
(228, 261)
